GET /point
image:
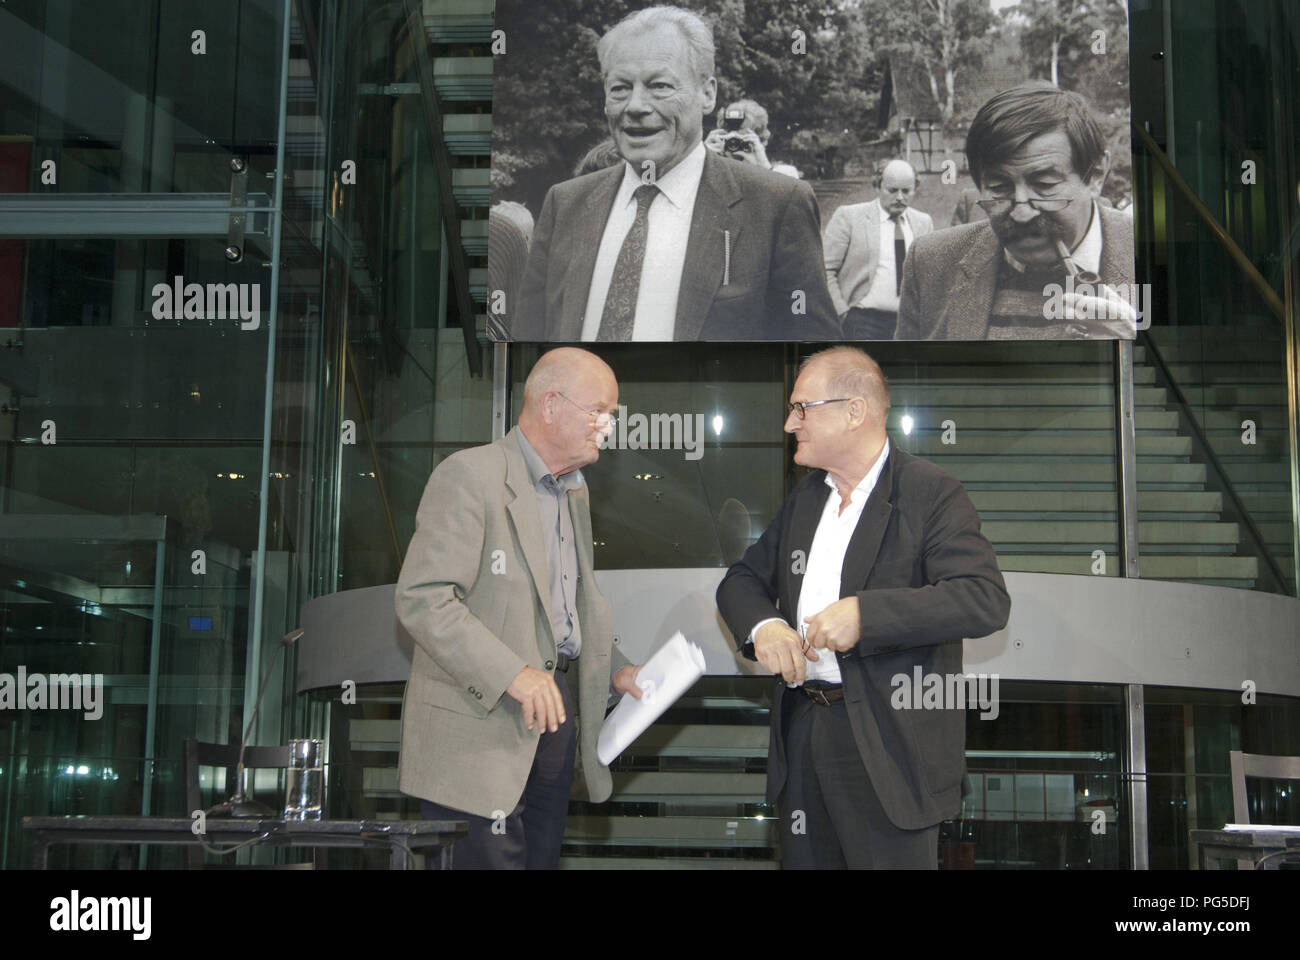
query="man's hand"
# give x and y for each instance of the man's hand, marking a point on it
(625, 681)
(837, 628)
(541, 699)
(756, 154)
(1106, 315)
(781, 650)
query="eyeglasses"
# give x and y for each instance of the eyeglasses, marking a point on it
(997, 206)
(802, 407)
(601, 420)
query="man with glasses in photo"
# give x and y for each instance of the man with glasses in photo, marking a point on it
(1039, 158)
(874, 568)
(497, 592)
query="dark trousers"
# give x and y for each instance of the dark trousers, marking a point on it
(860, 324)
(843, 824)
(529, 836)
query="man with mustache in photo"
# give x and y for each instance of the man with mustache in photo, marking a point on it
(1039, 158)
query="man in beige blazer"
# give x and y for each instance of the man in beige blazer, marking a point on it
(865, 245)
(499, 595)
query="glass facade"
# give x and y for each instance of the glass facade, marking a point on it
(243, 271)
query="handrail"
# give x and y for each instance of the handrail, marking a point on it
(1202, 449)
(1238, 256)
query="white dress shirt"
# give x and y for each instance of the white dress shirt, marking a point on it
(668, 229)
(883, 292)
(821, 578)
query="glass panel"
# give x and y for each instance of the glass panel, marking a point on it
(697, 465)
(1214, 449)
(1189, 734)
(1029, 430)
(134, 441)
(137, 96)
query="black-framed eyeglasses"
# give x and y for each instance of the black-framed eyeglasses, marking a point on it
(997, 206)
(801, 407)
(601, 420)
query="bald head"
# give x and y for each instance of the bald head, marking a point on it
(851, 372)
(566, 396)
(897, 186)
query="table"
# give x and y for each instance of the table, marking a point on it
(402, 837)
(1252, 845)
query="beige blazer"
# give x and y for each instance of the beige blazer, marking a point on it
(474, 593)
(851, 246)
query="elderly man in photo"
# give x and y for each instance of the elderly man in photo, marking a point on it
(1050, 263)
(498, 593)
(866, 245)
(676, 242)
(874, 567)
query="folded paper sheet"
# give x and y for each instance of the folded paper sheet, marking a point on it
(669, 673)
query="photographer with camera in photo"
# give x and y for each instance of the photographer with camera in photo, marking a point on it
(742, 134)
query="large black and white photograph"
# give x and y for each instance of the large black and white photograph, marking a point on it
(744, 170)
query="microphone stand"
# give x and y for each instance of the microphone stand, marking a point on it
(241, 804)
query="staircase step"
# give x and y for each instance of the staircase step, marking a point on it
(1240, 571)
(1092, 501)
(1097, 534)
(972, 444)
(1025, 419)
(722, 832)
(975, 473)
(1065, 396)
(642, 787)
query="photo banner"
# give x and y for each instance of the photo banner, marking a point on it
(811, 171)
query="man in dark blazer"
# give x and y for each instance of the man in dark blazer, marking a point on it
(676, 242)
(498, 592)
(874, 567)
(1039, 157)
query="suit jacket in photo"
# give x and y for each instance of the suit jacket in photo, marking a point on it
(474, 593)
(950, 279)
(925, 578)
(852, 248)
(741, 288)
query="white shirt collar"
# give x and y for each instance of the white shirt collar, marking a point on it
(1086, 256)
(678, 185)
(868, 483)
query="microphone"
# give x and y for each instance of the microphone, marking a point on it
(240, 803)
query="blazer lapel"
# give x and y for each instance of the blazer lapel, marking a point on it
(966, 310)
(872, 228)
(592, 211)
(1116, 248)
(526, 518)
(803, 527)
(706, 248)
(864, 545)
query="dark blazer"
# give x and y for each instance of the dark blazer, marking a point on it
(925, 578)
(775, 250)
(950, 277)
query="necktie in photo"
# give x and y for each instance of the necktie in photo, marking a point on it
(625, 283)
(900, 251)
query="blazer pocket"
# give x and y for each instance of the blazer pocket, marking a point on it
(741, 285)
(453, 699)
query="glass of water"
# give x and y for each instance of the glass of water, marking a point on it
(305, 783)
